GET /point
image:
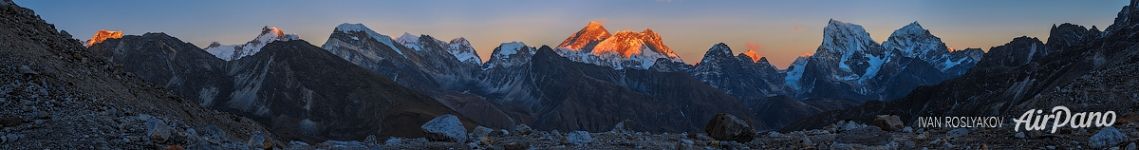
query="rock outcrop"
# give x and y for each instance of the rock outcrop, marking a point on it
(729, 128)
(445, 128)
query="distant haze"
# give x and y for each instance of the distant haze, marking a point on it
(781, 30)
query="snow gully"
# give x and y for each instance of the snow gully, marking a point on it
(1062, 116)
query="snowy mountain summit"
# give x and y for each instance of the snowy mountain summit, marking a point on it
(625, 49)
(233, 52)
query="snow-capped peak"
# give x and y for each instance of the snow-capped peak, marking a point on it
(911, 29)
(916, 42)
(462, 50)
(357, 27)
(233, 52)
(592, 32)
(271, 33)
(620, 50)
(410, 40)
(507, 54)
(840, 35)
(506, 49)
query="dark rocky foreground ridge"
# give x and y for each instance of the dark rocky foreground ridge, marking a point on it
(57, 95)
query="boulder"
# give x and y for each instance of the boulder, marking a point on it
(521, 129)
(259, 140)
(727, 127)
(445, 128)
(889, 122)
(157, 130)
(1106, 137)
(579, 138)
(481, 134)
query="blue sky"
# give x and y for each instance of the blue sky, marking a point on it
(782, 29)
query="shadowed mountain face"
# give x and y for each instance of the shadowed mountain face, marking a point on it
(445, 71)
(171, 63)
(564, 94)
(288, 85)
(739, 76)
(1071, 70)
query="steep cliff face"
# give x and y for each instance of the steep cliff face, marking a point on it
(850, 65)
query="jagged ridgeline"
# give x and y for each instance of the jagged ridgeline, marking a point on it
(596, 90)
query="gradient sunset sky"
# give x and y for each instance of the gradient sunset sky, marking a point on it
(781, 30)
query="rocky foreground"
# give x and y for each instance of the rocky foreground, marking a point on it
(885, 134)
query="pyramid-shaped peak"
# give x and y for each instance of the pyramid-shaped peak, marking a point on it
(719, 49)
(911, 29)
(915, 26)
(592, 32)
(595, 24)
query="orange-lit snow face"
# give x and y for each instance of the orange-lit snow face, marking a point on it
(751, 51)
(103, 35)
(277, 31)
(625, 43)
(591, 33)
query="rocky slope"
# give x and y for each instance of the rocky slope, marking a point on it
(61, 96)
(446, 71)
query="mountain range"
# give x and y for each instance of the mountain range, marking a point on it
(1078, 67)
(154, 90)
(591, 81)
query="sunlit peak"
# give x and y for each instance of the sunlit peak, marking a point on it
(103, 35)
(751, 51)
